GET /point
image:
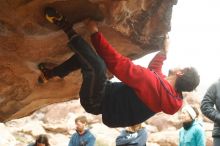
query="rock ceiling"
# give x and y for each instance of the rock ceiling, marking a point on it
(134, 27)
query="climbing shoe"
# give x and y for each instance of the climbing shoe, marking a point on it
(45, 73)
(53, 16)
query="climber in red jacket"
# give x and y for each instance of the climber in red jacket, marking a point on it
(142, 91)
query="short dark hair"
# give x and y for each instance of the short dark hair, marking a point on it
(82, 119)
(42, 138)
(188, 81)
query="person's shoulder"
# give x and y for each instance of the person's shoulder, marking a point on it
(74, 134)
(124, 132)
(143, 129)
(216, 83)
(31, 144)
(198, 125)
(181, 130)
(142, 132)
(89, 132)
(214, 86)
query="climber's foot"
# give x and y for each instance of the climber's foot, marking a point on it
(45, 73)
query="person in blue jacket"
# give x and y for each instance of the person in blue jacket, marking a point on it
(135, 135)
(192, 132)
(82, 137)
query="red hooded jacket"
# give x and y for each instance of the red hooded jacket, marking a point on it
(148, 83)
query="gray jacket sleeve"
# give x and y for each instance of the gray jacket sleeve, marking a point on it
(208, 102)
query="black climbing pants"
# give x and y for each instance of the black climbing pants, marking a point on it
(118, 103)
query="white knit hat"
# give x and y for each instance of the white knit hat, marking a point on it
(190, 110)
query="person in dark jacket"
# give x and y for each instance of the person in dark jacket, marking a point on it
(132, 136)
(41, 140)
(211, 99)
(83, 136)
(141, 93)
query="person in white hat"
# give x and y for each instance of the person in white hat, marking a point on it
(192, 132)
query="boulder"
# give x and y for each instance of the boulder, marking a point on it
(134, 28)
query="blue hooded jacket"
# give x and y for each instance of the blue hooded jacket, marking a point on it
(138, 138)
(194, 136)
(87, 139)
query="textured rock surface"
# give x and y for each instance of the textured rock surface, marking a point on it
(134, 27)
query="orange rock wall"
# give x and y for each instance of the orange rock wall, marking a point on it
(134, 27)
